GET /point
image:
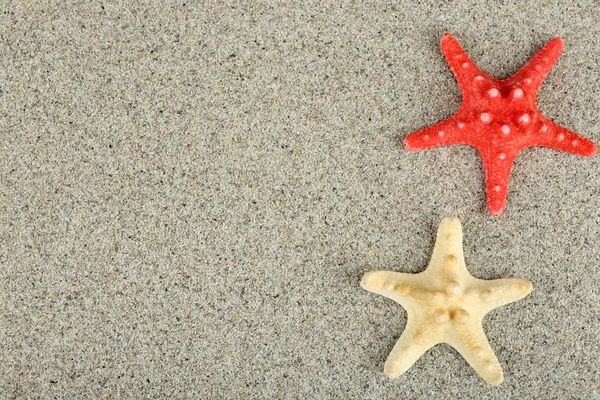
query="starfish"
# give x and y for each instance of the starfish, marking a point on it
(499, 118)
(445, 304)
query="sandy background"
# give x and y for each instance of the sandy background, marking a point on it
(190, 194)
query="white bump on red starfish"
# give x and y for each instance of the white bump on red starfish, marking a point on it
(517, 93)
(485, 117)
(505, 129)
(524, 118)
(493, 92)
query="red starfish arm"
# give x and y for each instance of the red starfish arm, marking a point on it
(559, 138)
(497, 167)
(533, 73)
(441, 134)
(463, 68)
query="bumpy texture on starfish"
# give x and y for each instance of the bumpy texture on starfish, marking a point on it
(445, 304)
(499, 118)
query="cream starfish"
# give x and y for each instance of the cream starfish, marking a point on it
(445, 304)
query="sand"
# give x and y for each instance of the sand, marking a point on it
(190, 194)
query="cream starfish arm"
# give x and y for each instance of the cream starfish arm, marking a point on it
(448, 250)
(498, 292)
(404, 289)
(411, 345)
(471, 343)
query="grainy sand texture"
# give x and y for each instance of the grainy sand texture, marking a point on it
(190, 193)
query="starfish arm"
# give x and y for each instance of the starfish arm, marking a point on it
(448, 242)
(405, 289)
(532, 74)
(443, 133)
(559, 138)
(408, 349)
(447, 259)
(464, 69)
(497, 165)
(498, 292)
(472, 344)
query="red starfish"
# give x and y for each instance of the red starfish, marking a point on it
(499, 117)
